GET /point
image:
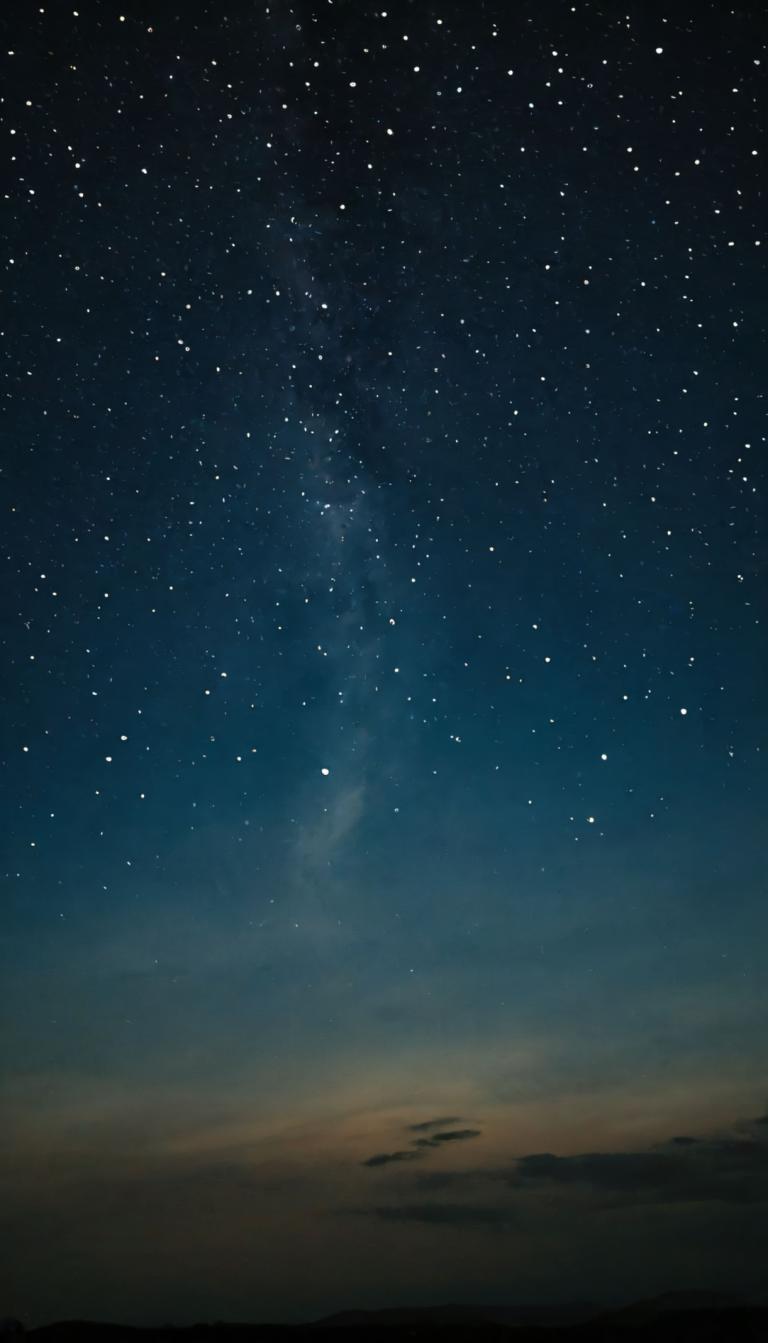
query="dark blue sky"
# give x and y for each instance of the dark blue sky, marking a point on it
(383, 611)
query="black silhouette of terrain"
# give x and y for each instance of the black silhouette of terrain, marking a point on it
(682, 1317)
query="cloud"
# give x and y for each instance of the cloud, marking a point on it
(607, 1170)
(451, 1135)
(730, 1169)
(385, 1158)
(444, 1214)
(432, 1123)
(421, 1144)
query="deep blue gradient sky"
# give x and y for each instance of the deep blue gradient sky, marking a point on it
(383, 627)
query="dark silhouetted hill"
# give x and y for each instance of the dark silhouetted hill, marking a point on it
(458, 1315)
(676, 1317)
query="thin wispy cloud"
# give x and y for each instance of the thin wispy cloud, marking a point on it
(427, 1124)
(451, 1135)
(457, 1215)
(387, 1158)
(423, 1145)
(713, 1169)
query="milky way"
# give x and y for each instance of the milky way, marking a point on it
(383, 618)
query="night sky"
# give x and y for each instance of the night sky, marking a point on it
(384, 663)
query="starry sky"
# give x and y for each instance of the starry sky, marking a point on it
(383, 633)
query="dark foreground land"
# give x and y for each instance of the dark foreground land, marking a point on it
(683, 1318)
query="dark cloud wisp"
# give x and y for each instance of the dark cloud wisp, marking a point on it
(444, 1214)
(427, 1124)
(450, 1135)
(729, 1170)
(387, 1158)
(422, 1144)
